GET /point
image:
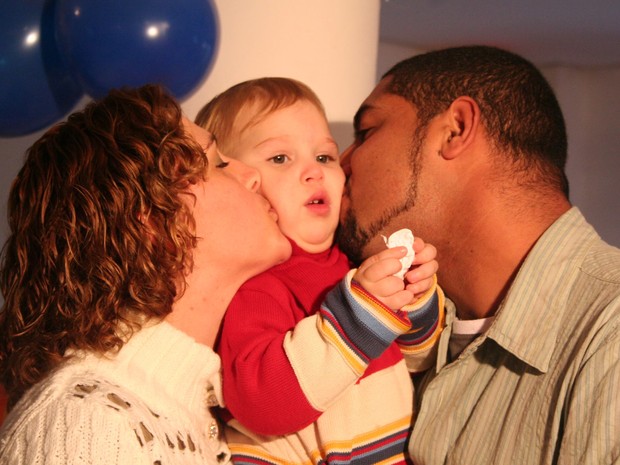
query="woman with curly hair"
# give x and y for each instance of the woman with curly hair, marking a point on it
(129, 235)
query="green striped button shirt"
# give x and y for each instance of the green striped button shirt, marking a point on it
(542, 385)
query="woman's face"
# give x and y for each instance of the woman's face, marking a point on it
(236, 227)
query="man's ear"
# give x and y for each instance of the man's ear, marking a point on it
(462, 121)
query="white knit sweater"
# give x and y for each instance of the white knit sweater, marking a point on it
(148, 404)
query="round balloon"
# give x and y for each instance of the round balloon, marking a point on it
(116, 43)
(36, 85)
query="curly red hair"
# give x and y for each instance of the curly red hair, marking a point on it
(99, 235)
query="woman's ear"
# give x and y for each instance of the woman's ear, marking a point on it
(463, 119)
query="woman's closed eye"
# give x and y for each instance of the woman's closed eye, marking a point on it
(220, 161)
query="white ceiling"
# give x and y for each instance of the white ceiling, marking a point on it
(547, 32)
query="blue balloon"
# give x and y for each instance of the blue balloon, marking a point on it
(36, 85)
(115, 43)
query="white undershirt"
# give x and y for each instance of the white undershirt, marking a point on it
(465, 331)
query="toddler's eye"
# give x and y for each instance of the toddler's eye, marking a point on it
(279, 159)
(324, 158)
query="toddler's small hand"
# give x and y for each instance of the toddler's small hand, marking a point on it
(421, 276)
(376, 275)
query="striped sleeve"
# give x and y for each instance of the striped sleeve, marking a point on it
(358, 324)
(427, 315)
(337, 344)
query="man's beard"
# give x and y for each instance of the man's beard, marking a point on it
(353, 240)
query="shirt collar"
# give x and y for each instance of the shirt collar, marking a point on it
(528, 320)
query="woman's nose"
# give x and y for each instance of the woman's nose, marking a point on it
(245, 174)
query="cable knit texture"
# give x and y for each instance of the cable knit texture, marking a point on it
(148, 404)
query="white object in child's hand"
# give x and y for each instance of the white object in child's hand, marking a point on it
(404, 238)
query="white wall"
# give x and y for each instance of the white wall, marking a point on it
(331, 46)
(590, 99)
